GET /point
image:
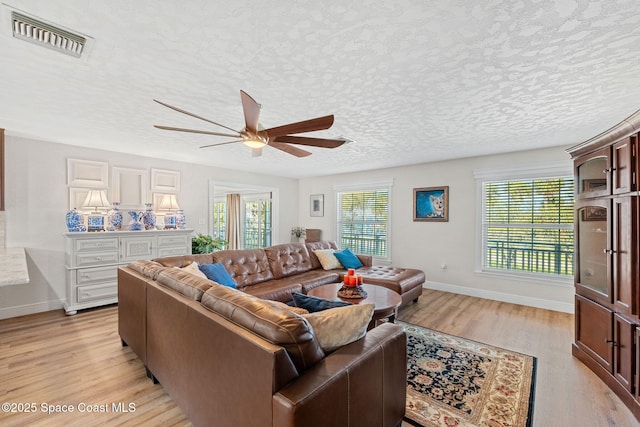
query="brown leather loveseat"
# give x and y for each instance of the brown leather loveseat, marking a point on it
(229, 358)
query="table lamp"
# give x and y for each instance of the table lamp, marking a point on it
(96, 199)
(169, 203)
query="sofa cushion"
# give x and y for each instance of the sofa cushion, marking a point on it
(277, 290)
(183, 282)
(193, 269)
(348, 259)
(278, 326)
(324, 244)
(327, 259)
(149, 269)
(314, 304)
(340, 326)
(218, 273)
(246, 266)
(397, 279)
(288, 259)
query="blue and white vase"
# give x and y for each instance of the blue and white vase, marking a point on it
(75, 221)
(114, 218)
(181, 220)
(149, 218)
(136, 223)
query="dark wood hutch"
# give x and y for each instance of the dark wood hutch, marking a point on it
(607, 301)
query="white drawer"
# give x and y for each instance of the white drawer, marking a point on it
(97, 292)
(96, 258)
(96, 244)
(179, 240)
(87, 276)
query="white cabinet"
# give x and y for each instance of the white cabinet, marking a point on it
(92, 261)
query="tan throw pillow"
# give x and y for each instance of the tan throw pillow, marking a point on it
(327, 259)
(279, 304)
(193, 269)
(340, 326)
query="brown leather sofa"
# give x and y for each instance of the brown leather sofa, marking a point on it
(274, 272)
(231, 359)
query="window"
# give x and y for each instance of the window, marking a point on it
(257, 221)
(527, 226)
(363, 220)
(219, 220)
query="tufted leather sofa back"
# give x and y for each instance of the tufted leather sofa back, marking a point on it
(246, 266)
(288, 259)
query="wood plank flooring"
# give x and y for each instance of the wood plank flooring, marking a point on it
(53, 359)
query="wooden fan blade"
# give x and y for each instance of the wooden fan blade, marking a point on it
(319, 123)
(251, 112)
(205, 132)
(290, 149)
(312, 142)
(220, 143)
(194, 115)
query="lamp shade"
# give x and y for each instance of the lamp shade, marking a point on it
(96, 199)
(168, 202)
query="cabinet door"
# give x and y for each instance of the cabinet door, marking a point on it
(593, 174)
(624, 352)
(624, 251)
(594, 331)
(137, 248)
(593, 263)
(623, 165)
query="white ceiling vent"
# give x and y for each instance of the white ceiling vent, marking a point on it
(52, 36)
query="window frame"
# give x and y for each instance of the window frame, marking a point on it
(361, 187)
(482, 176)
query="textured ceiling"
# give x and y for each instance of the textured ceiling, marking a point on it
(411, 81)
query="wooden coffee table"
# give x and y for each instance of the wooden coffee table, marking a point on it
(385, 300)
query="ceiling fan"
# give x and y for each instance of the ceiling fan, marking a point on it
(256, 137)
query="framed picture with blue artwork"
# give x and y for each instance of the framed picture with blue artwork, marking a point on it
(431, 204)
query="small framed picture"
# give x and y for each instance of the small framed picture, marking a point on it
(317, 205)
(431, 204)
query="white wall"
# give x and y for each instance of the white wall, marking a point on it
(37, 200)
(428, 245)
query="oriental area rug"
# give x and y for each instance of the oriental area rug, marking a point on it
(455, 382)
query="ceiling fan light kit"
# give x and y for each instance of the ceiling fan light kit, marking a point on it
(255, 137)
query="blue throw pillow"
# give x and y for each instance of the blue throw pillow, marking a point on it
(218, 273)
(313, 304)
(348, 259)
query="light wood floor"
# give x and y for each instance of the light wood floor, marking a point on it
(53, 359)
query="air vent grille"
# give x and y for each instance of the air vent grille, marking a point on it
(35, 31)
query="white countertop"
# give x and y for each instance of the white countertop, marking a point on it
(13, 267)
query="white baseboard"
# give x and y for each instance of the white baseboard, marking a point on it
(504, 297)
(23, 310)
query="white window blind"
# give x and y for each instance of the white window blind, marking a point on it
(527, 226)
(363, 221)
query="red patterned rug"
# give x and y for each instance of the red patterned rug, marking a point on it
(455, 382)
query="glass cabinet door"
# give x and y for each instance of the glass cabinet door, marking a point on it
(593, 174)
(595, 254)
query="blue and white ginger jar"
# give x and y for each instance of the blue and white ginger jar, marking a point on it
(149, 218)
(114, 218)
(181, 220)
(75, 221)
